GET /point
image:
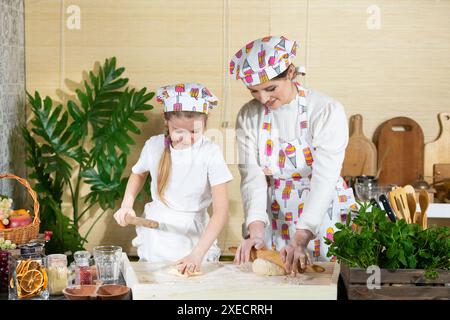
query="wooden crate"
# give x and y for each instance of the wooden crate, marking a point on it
(226, 281)
(397, 284)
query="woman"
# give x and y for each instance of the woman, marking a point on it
(291, 144)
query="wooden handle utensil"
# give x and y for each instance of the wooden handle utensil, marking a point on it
(137, 221)
(399, 202)
(411, 198)
(424, 201)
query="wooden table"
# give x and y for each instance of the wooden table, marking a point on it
(225, 281)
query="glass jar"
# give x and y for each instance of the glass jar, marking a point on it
(364, 187)
(108, 260)
(83, 274)
(28, 279)
(57, 273)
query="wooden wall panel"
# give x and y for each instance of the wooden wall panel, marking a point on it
(400, 69)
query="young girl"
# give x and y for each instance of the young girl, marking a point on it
(188, 172)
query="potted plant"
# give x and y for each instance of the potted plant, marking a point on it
(85, 141)
(413, 263)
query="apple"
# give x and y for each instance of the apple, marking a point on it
(16, 221)
(21, 212)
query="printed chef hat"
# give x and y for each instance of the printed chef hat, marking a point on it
(186, 97)
(263, 59)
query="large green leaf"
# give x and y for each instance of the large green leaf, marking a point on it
(104, 115)
(115, 135)
(50, 126)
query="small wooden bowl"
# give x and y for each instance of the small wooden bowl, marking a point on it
(112, 292)
(83, 292)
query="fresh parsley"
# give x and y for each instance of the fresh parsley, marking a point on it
(372, 239)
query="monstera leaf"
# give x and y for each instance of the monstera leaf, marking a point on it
(85, 142)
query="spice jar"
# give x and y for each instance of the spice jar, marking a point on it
(83, 274)
(57, 273)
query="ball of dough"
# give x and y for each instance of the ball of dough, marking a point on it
(267, 268)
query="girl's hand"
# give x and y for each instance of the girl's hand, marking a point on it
(296, 254)
(121, 213)
(190, 263)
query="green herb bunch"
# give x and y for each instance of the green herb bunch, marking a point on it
(371, 239)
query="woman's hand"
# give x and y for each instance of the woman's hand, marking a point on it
(256, 230)
(243, 251)
(190, 263)
(121, 213)
(296, 254)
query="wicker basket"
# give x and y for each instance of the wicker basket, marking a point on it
(29, 232)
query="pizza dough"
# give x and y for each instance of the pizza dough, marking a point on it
(267, 268)
(174, 271)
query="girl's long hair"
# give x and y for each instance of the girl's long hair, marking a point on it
(165, 163)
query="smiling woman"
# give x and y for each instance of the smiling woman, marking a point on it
(288, 203)
(278, 91)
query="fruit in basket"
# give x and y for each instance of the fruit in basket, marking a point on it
(19, 220)
(5, 210)
(20, 212)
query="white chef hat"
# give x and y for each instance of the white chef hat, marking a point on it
(186, 97)
(263, 59)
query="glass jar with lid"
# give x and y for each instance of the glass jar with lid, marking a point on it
(57, 273)
(83, 274)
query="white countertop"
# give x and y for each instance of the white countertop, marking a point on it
(224, 280)
(438, 210)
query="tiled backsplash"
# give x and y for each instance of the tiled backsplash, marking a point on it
(12, 97)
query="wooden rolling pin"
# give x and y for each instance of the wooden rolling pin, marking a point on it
(274, 257)
(137, 221)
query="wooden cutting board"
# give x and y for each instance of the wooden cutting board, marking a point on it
(227, 281)
(400, 142)
(438, 151)
(361, 153)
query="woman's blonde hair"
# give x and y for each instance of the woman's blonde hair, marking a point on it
(165, 163)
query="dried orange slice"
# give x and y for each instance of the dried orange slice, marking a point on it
(25, 266)
(27, 295)
(31, 281)
(45, 283)
(34, 265)
(22, 266)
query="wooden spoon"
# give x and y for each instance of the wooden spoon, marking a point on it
(424, 201)
(399, 203)
(411, 198)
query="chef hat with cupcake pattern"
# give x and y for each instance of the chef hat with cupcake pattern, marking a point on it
(186, 97)
(263, 59)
